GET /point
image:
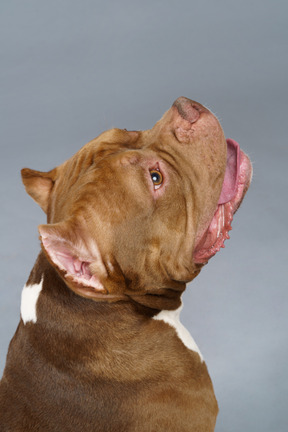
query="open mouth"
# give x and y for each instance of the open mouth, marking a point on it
(236, 183)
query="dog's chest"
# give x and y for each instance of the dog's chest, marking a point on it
(173, 319)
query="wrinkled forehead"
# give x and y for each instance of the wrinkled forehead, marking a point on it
(197, 149)
(173, 134)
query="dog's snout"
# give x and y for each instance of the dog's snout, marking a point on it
(188, 109)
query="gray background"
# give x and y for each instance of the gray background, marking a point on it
(71, 69)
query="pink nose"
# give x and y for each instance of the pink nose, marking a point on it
(188, 109)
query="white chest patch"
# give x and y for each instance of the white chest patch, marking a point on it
(29, 300)
(173, 319)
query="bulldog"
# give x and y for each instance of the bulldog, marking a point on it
(132, 217)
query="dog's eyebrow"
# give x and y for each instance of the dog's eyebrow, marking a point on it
(167, 157)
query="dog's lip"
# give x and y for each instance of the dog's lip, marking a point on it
(218, 231)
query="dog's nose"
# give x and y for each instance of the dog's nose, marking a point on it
(188, 109)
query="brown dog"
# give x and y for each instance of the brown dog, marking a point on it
(132, 217)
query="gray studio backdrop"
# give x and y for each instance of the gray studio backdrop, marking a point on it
(71, 69)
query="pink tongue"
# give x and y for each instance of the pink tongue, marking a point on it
(232, 172)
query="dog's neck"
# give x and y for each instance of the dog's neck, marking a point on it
(57, 296)
(73, 332)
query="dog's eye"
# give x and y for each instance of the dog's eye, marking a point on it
(157, 178)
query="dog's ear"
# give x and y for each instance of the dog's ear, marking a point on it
(77, 259)
(232, 193)
(39, 185)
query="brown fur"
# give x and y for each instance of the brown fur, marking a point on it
(109, 368)
(95, 360)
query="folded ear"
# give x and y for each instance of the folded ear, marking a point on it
(79, 262)
(39, 185)
(230, 199)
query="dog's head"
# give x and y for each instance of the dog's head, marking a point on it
(138, 213)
